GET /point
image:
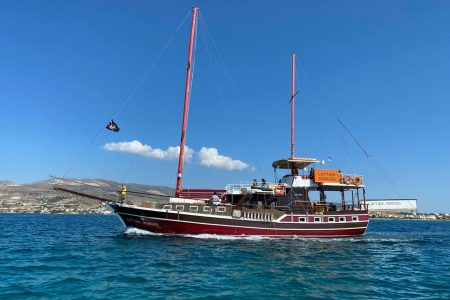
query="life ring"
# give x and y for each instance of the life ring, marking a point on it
(357, 180)
(347, 179)
(279, 190)
(236, 213)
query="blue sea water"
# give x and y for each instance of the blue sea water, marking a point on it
(90, 257)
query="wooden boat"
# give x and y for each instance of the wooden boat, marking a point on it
(286, 208)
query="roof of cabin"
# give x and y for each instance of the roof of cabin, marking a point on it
(297, 163)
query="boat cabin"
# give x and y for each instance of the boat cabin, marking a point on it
(314, 191)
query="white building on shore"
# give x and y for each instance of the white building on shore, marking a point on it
(392, 206)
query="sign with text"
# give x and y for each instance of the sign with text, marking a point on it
(322, 176)
(392, 205)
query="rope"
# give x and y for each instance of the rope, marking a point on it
(234, 86)
(99, 133)
(150, 68)
(136, 155)
(128, 98)
(211, 61)
(347, 156)
(374, 163)
(382, 172)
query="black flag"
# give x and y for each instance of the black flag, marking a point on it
(112, 126)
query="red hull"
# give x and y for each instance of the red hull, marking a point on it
(269, 229)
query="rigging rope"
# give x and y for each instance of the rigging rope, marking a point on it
(234, 86)
(150, 68)
(383, 173)
(129, 97)
(299, 92)
(211, 61)
(99, 133)
(347, 155)
(373, 162)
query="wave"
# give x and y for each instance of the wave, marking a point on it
(136, 231)
(225, 237)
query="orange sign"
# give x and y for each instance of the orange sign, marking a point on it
(321, 176)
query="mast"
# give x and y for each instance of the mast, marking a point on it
(292, 106)
(186, 102)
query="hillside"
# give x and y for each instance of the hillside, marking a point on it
(40, 197)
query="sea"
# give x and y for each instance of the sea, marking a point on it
(95, 257)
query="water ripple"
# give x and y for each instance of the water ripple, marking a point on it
(77, 257)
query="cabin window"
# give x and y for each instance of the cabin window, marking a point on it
(355, 218)
(302, 220)
(207, 208)
(221, 209)
(341, 219)
(331, 219)
(317, 219)
(179, 207)
(193, 208)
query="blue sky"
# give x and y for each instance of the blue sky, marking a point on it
(382, 67)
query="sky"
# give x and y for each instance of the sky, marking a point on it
(382, 67)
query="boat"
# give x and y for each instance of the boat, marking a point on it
(296, 205)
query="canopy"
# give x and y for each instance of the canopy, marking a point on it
(296, 163)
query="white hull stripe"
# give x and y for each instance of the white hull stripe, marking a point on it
(229, 217)
(234, 226)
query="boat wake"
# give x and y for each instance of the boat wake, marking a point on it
(131, 231)
(207, 236)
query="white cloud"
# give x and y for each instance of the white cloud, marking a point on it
(210, 157)
(136, 147)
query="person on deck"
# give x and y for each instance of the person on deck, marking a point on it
(215, 199)
(323, 196)
(263, 183)
(124, 192)
(255, 183)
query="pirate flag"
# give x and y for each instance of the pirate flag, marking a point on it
(112, 126)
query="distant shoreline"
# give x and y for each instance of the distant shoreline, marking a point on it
(108, 213)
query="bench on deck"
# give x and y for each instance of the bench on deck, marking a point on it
(200, 194)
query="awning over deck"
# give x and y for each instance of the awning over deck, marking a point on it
(294, 163)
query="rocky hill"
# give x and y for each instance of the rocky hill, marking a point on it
(40, 197)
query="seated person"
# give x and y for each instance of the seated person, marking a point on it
(263, 183)
(255, 183)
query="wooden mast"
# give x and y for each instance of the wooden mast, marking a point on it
(293, 106)
(294, 170)
(186, 102)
